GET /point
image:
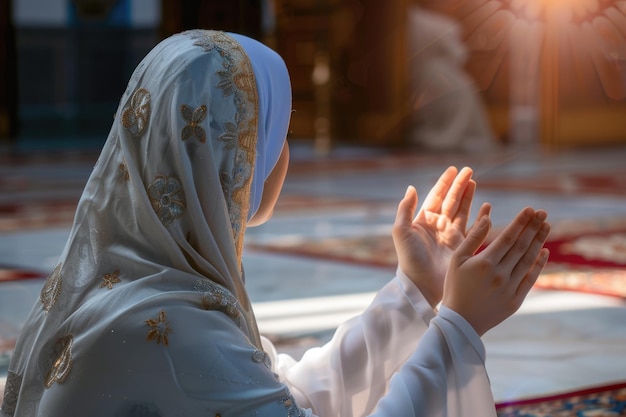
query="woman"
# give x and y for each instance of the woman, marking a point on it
(448, 111)
(146, 313)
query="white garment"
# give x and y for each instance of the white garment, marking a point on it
(443, 375)
(435, 363)
(355, 366)
(146, 313)
(163, 214)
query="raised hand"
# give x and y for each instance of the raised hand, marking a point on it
(425, 243)
(488, 287)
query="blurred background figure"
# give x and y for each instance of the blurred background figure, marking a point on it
(447, 112)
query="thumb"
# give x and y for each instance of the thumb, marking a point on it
(406, 208)
(474, 239)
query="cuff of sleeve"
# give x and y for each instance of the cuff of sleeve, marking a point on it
(466, 329)
(415, 296)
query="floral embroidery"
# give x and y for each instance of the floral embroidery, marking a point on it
(62, 365)
(11, 392)
(227, 83)
(159, 329)
(135, 117)
(292, 409)
(108, 280)
(216, 297)
(202, 38)
(193, 119)
(236, 79)
(167, 198)
(51, 289)
(232, 186)
(229, 136)
(124, 171)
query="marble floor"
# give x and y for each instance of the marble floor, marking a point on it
(558, 341)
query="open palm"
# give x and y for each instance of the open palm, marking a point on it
(424, 244)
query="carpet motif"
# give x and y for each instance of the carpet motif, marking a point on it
(587, 256)
(608, 401)
(597, 183)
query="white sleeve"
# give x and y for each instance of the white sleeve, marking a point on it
(349, 375)
(397, 334)
(445, 376)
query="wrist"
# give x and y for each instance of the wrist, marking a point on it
(431, 295)
(458, 308)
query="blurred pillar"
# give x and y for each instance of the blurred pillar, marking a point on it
(8, 73)
(347, 63)
(550, 77)
(304, 35)
(321, 81)
(372, 75)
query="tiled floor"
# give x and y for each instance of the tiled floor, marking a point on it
(558, 341)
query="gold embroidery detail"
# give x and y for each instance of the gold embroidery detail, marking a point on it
(216, 297)
(124, 171)
(244, 81)
(108, 280)
(51, 289)
(167, 198)
(62, 365)
(136, 116)
(11, 392)
(226, 84)
(237, 80)
(247, 140)
(159, 329)
(229, 136)
(292, 408)
(193, 119)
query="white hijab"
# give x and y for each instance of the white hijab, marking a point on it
(197, 132)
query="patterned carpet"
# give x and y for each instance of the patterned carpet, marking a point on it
(606, 401)
(607, 183)
(585, 256)
(41, 190)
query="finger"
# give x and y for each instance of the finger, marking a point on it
(474, 239)
(434, 198)
(460, 194)
(529, 259)
(406, 208)
(517, 256)
(531, 277)
(484, 210)
(503, 243)
(462, 215)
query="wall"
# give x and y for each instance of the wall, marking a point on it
(72, 67)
